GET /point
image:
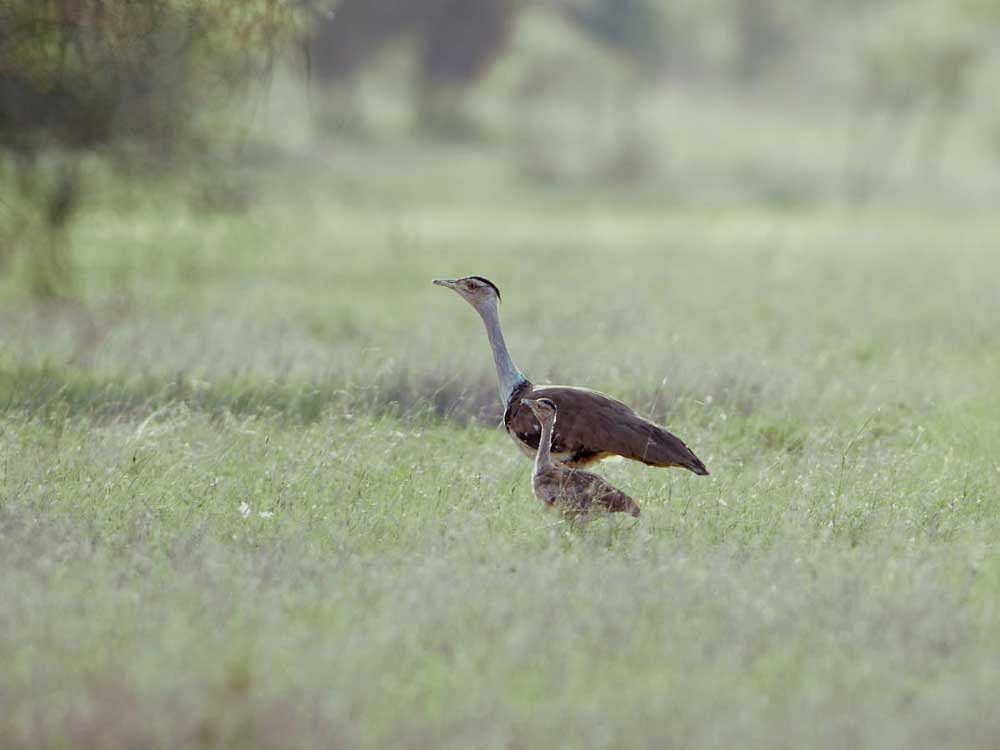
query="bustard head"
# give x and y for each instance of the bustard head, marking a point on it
(544, 408)
(476, 290)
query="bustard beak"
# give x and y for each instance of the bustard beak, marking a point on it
(445, 282)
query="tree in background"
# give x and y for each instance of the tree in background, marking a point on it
(915, 64)
(457, 41)
(636, 28)
(114, 76)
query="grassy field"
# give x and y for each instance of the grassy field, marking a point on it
(253, 493)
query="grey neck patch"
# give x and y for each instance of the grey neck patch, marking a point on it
(543, 459)
(508, 374)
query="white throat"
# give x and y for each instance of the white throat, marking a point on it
(507, 373)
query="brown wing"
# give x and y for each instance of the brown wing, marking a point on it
(591, 426)
(576, 491)
(590, 490)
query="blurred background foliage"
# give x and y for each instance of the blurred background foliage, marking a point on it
(126, 81)
(251, 486)
(763, 101)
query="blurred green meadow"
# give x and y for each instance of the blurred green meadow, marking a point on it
(254, 494)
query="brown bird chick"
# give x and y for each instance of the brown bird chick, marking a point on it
(573, 491)
(592, 426)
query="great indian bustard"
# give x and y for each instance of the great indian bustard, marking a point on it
(591, 426)
(573, 491)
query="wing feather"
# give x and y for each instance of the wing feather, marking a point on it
(591, 426)
(594, 490)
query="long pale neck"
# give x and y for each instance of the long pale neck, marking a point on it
(543, 459)
(509, 376)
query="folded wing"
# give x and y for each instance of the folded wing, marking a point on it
(591, 490)
(592, 426)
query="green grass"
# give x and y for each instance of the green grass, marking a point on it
(253, 495)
